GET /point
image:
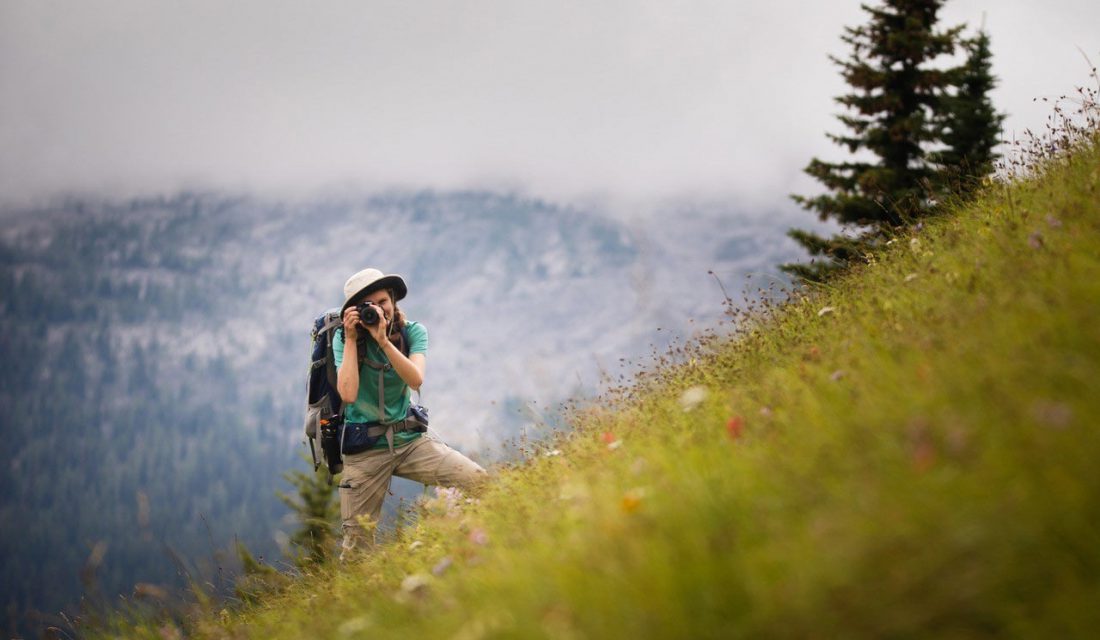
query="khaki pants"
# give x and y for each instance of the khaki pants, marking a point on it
(367, 475)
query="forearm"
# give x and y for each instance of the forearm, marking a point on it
(347, 377)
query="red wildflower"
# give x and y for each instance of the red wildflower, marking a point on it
(734, 426)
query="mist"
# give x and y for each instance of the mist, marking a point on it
(630, 102)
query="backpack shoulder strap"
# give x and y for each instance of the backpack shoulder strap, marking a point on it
(332, 320)
(382, 368)
(405, 346)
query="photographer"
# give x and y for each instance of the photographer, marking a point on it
(381, 437)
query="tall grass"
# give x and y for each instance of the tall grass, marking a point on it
(911, 451)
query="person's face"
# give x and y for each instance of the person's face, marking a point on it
(384, 302)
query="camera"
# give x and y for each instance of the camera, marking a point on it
(368, 314)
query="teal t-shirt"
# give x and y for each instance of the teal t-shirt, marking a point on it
(396, 392)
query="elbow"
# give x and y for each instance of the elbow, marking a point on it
(347, 391)
(346, 397)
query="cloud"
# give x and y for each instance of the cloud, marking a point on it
(638, 99)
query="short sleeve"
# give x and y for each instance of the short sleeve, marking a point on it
(338, 347)
(418, 338)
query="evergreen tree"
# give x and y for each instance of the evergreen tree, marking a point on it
(840, 251)
(970, 125)
(317, 508)
(895, 94)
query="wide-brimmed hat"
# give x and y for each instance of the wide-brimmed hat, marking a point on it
(371, 280)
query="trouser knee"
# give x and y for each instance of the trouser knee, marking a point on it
(469, 476)
(358, 536)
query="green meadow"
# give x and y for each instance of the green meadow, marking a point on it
(911, 450)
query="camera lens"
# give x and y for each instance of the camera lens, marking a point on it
(368, 315)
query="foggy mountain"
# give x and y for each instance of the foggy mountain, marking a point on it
(154, 351)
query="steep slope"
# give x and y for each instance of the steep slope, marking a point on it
(909, 452)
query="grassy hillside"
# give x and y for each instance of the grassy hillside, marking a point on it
(911, 451)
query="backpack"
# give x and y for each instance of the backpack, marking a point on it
(324, 409)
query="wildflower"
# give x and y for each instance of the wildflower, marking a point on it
(924, 372)
(416, 544)
(479, 537)
(957, 441)
(415, 583)
(353, 626)
(447, 501)
(825, 311)
(924, 456)
(1055, 415)
(734, 426)
(610, 440)
(441, 566)
(911, 277)
(571, 491)
(838, 375)
(553, 453)
(922, 449)
(691, 398)
(632, 500)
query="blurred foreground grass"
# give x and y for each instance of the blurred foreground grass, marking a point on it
(911, 451)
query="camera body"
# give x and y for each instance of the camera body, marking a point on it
(368, 314)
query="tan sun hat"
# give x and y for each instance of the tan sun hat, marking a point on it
(370, 280)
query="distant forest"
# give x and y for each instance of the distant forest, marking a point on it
(126, 458)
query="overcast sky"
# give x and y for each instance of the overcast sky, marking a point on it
(561, 99)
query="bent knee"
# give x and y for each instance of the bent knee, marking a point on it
(459, 471)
